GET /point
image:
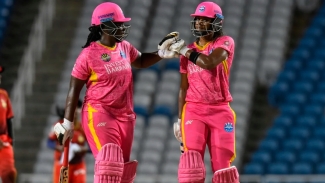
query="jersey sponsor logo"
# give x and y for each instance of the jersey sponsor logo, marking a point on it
(105, 57)
(226, 43)
(229, 127)
(117, 66)
(194, 68)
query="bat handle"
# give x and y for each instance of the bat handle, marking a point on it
(66, 153)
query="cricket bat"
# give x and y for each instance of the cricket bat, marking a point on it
(64, 171)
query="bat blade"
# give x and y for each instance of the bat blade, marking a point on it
(64, 171)
(64, 174)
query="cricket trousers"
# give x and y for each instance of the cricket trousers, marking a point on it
(212, 125)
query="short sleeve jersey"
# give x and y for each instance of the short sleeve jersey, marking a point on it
(108, 75)
(5, 111)
(209, 86)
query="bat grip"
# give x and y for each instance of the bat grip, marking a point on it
(66, 153)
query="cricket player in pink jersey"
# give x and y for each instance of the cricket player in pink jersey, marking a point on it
(205, 116)
(108, 119)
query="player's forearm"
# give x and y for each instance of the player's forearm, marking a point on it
(181, 102)
(72, 98)
(205, 61)
(148, 59)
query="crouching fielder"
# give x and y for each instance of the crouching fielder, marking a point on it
(205, 116)
(108, 119)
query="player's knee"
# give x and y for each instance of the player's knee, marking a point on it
(129, 172)
(191, 168)
(109, 164)
(226, 175)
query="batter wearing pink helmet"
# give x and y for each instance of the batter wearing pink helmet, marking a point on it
(205, 116)
(108, 119)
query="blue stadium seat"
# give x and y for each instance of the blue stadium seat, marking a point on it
(172, 64)
(296, 98)
(292, 65)
(141, 110)
(263, 157)
(301, 53)
(306, 121)
(287, 76)
(320, 168)
(310, 157)
(315, 145)
(307, 43)
(318, 98)
(292, 144)
(163, 110)
(299, 133)
(319, 54)
(278, 92)
(318, 132)
(285, 156)
(268, 144)
(290, 109)
(254, 168)
(316, 65)
(276, 133)
(321, 122)
(314, 109)
(302, 168)
(277, 168)
(320, 87)
(302, 87)
(282, 121)
(314, 31)
(309, 75)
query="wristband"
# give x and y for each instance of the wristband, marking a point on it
(193, 56)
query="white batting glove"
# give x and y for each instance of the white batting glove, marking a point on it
(167, 54)
(64, 131)
(179, 46)
(177, 130)
(167, 40)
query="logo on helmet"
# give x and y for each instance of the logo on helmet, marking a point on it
(202, 9)
(105, 57)
(106, 17)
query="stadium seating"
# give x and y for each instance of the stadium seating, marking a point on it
(297, 135)
(5, 9)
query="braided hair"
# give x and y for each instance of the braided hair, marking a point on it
(94, 35)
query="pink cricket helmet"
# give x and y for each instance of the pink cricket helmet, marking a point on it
(108, 12)
(208, 9)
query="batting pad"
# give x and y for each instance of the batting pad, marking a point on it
(109, 164)
(129, 172)
(226, 175)
(191, 168)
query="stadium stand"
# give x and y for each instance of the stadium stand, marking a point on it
(295, 142)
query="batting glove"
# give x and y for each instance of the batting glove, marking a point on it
(167, 40)
(64, 131)
(177, 130)
(179, 46)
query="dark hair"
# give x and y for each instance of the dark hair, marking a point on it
(218, 34)
(94, 35)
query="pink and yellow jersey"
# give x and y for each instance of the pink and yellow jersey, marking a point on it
(209, 86)
(108, 74)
